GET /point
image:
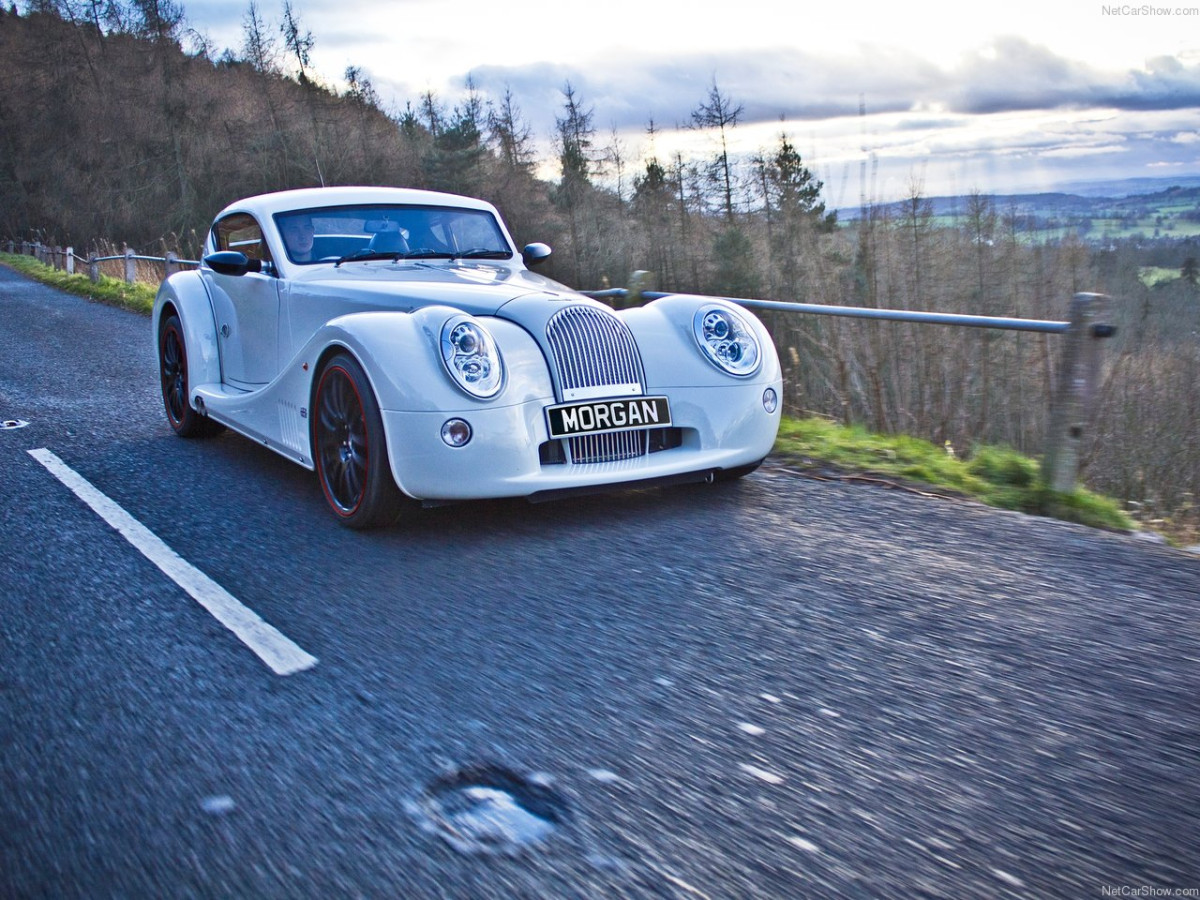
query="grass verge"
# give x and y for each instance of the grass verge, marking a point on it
(113, 291)
(997, 476)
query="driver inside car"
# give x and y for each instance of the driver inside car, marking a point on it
(297, 234)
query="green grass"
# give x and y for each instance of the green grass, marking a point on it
(113, 291)
(997, 476)
(1152, 276)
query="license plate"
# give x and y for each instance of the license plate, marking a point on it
(598, 416)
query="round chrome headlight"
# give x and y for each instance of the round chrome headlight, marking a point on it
(727, 339)
(472, 357)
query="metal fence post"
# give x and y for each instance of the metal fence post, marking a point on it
(1072, 406)
(640, 281)
(130, 266)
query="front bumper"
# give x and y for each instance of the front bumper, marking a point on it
(719, 428)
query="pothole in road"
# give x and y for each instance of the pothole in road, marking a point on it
(488, 809)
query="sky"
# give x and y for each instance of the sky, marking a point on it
(879, 98)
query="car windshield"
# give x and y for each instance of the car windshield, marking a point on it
(341, 234)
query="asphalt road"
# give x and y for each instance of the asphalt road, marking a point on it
(775, 688)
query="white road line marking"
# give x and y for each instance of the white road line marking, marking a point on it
(272, 647)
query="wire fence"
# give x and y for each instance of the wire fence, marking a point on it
(128, 266)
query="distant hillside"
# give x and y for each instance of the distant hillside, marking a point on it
(1163, 208)
(1128, 187)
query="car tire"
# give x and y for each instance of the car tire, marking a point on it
(350, 450)
(173, 376)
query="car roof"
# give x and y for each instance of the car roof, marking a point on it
(265, 205)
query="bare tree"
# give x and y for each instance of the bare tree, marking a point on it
(359, 87)
(158, 20)
(299, 43)
(432, 112)
(575, 136)
(614, 156)
(720, 112)
(510, 135)
(259, 49)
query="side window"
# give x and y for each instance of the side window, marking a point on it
(242, 233)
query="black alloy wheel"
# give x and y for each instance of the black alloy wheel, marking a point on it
(349, 448)
(172, 370)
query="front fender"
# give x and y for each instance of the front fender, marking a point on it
(670, 356)
(184, 292)
(401, 355)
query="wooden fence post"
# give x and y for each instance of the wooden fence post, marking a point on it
(69, 260)
(130, 266)
(93, 267)
(170, 264)
(1072, 407)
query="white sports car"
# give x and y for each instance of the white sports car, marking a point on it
(397, 342)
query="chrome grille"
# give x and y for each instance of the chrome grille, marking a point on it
(593, 349)
(611, 447)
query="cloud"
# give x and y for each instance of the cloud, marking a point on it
(1007, 74)
(1015, 74)
(950, 102)
(770, 85)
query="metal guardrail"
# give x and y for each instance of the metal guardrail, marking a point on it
(1073, 400)
(860, 312)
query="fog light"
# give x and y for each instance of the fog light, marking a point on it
(456, 432)
(770, 400)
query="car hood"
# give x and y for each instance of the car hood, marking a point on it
(476, 289)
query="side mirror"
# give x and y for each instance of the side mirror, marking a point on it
(535, 254)
(232, 262)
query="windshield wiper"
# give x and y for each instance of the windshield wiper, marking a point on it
(482, 253)
(393, 255)
(424, 253)
(367, 255)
